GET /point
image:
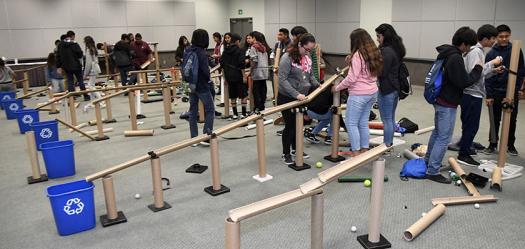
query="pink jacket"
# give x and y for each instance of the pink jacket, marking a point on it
(359, 81)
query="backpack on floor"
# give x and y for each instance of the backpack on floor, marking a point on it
(405, 87)
(433, 81)
(414, 168)
(410, 127)
(190, 69)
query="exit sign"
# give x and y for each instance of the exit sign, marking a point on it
(240, 11)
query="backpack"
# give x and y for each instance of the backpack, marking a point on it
(121, 58)
(410, 127)
(190, 69)
(405, 87)
(415, 168)
(433, 81)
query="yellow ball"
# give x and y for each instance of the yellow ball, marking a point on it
(367, 183)
(319, 165)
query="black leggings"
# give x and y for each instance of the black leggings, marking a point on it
(288, 137)
(259, 94)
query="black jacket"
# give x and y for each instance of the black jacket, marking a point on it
(69, 56)
(322, 103)
(455, 77)
(124, 48)
(232, 62)
(389, 79)
(496, 86)
(203, 78)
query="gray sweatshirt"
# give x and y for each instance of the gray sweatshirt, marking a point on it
(259, 61)
(476, 54)
(294, 81)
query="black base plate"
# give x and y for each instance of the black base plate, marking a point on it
(299, 168)
(166, 127)
(383, 242)
(196, 168)
(155, 209)
(109, 121)
(221, 191)
(141, 116)
(121, 218)
(56, 112)
(151, 100)
(31, 180)
(335, 160)
(101, 138)
(172, 112)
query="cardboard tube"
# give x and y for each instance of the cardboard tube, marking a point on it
(455, 166)
(417, 228)
(250, 93)
(33, 154)
(215, 171)
(457, 200)
(261, 148)
(424, 130)
(496, 178)
(317, 221)
(132, 111)
(166, 97)
(276, 75)
(109, 194)
(77, 130)
(299, 149)
(142, 81)
(80, 126)
(53, 104)
(233, 234)
(95, 132)
(134, 133)
(335, 125)
(410, 155)
(137, 102)
(72, 110)
(253, 126)
(381, 133)
(109, 112)
(98, 114)
(25, 82)
(201, 112)
(376, 200)
(158, 197)
(376, 125)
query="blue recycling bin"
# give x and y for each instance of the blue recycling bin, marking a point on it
(5, 96)
(11, 106)
(59, 158)
(25, 118)
(46, 131)
(73, 206)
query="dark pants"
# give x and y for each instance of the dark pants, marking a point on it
(124, 73)
(71, 83)
(288, 137)
(497, 118)
(259, 94)
(209, 112)
(470, 114)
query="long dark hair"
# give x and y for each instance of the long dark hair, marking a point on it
(51, 60)
(90, 45)
(360, 41)
(390, 38)
(181, 41)
(302, 40)
(259, 37)
(224, 43)
(200, 38)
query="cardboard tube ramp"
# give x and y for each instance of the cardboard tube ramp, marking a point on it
(410, 155)
(252, 126)
(424, 130)
(417, 228)
(455, 166)
(135, 133)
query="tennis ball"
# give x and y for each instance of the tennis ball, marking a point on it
(319, 164)
(367, 183)
(353, 229)
(137, 196)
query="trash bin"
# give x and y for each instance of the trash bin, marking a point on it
(46, 131)
(73, 206)
(11, 106)
(6, 96)
(59, 158)
(25, 118)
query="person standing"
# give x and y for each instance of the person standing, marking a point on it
(52, 75)
(179, 53)
(141, 53)
(295, 81)
(258, 54)
(69, 59)
(6, 77)
(91, 69)
(122, 56)
(232, 63)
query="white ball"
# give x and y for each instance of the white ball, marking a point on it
(476, 206)
(458, 182)
(137, 196)
(423, 214)
(353, 229)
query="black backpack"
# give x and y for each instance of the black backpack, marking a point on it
(410, 126)
(405, 88)
(121, 58)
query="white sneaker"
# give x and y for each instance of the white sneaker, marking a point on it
(88, 106)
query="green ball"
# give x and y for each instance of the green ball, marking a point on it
(319, 165)
(367, 183)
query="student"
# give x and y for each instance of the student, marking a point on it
(393, 51)
(472, 99)
(109, 49)
(52, 75)
(319, 108)
(455, 80)
(69, 59)
(122, 57)
(258, 54)
(365, 65)
(496, 87)
(131, 37)
(283, 41)
(91, 69)
(141, 53)
(217, 51)
(6, 77)
(199, 44)
(295, 80)
(179, 53)
(232, 63)
(297, 31)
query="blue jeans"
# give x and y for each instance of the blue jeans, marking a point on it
(444, 121)
(209, 111)
(470, 114)
(387, 110)
(324, 121)
(357, 114)
(124, 74)
(80, 80)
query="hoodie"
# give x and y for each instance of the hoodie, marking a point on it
(232, 62)
(69, 56)
(259, 61)
(203, 78)
(496, 86)
(455, 77)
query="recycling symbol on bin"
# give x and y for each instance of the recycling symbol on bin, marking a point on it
(13, 107)
(46, 133)
(6, 97)
(27, 119)
(73, 206)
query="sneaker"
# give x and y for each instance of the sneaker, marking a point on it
(305, 156)
(218, 114)
(489, 150)
(512, 151)
(310, 137)
(439, 178)
(467, 160)
(194, 145)
(234, 117)
(472, 152)
(279, 133)
(221, 105)
(287, 159)
(205, 143)
(87, 98)
(328, 140)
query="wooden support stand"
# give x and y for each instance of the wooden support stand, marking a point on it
(216, 188)
(75, 129)
(109, 112)
(299, 163)
(158, 196)
(336, 124)
(261, 152)
(33, 158)
(413, 231)
(112, 217)
(72, 110)
(166, 96)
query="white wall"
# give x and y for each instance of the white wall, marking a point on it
(377, 12)
(211, 16)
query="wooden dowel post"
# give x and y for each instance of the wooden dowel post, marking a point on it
(201, 112)
(299, 148)
(233, 234)
(216, 188)
(100, 128)
(25, 83)
(112, 217)
(109, 111)
(72, 110)
(157, 62)
(106, 60)
(261, 152)
(317, 221)
(51, 95)
(158, 196)
(132, 110)
(142, 81)
(250, 93)
(336, 125)
(226, 98)
(33, 158)
(166, 98)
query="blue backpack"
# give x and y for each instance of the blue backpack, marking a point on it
(190, 69)
(433, 81)
(415, 168)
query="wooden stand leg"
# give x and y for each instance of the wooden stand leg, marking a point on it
(216, 188)
(336, 125)
(317, 221)
(113, 216)
(201, 112)
(132, 110)
(299, 149)
(142, 81)
(25, 83)
(233, 234)
(109, 112)
(100, 128)
(261, 152)
(166, 96)
(33, 158)
(226, 99)
(158, 196)
(53, 105)
(72, 110)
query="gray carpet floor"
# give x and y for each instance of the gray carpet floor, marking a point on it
(197, 219)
